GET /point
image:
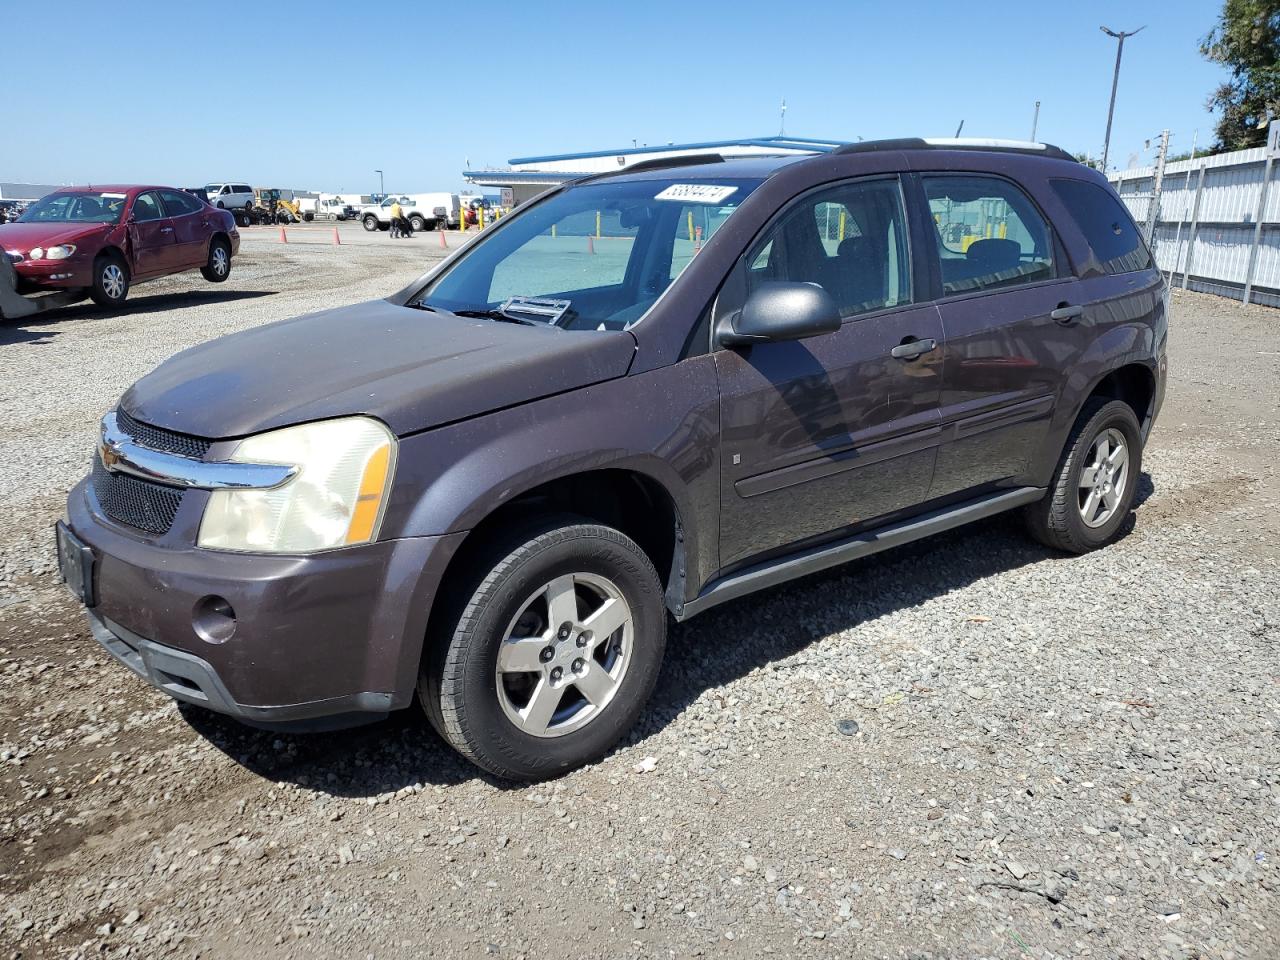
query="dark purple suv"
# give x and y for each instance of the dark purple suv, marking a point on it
(643, 394)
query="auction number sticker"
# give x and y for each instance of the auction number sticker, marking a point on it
(696, 193)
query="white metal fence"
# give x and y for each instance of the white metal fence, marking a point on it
(1206, 233)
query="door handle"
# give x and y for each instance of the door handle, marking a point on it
(913, 348)
(166, 229)
(1067, 314)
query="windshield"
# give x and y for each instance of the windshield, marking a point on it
(76, 208)
(593, 257)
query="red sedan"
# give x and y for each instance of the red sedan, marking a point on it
(104, 239)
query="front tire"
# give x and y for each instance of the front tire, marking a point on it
(1093, 487)
(371, 223)
(218, 267)
(553, 654)
(110, 281)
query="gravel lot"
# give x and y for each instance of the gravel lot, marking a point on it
(968, 747)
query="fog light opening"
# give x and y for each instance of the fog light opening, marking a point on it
(214, 620)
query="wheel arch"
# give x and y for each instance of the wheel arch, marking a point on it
(626, 496)
(111, 249)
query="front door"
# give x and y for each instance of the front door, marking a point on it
(834, 431)
(1006, 355)
(151, 236)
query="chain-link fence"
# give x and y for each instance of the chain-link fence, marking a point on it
(1213, 222)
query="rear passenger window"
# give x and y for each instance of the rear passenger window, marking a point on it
(179, 204)
(989, 233)
(849, 239)
(1106, 225)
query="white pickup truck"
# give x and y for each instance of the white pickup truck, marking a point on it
(424, 211)
(331, 206)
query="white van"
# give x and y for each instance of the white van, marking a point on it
(229, 196)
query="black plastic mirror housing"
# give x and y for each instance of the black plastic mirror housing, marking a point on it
(781, 310)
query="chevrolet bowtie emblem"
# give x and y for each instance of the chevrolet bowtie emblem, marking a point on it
(109, 454)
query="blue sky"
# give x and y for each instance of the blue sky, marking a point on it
(159, 92)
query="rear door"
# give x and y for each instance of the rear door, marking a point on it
(831, 432)
(151, 235)
(191, 228)
(1002, 275)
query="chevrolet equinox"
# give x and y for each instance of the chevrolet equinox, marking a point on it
(645, 393)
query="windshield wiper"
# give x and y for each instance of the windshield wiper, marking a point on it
(497, 315)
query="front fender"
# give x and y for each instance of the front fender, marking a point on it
(663, 425)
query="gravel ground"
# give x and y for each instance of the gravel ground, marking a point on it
(968, 747)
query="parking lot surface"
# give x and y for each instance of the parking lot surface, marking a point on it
(969, 747)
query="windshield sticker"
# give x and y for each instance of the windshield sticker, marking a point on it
(696, 193)
(112, 196)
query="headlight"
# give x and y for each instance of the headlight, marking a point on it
(36, 253)
(336, 498)
(60, 252)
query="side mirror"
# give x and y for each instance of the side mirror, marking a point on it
(781, 310)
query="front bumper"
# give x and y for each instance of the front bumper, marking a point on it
(314, 636)
(75, 271)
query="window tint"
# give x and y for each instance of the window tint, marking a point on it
(147, 207)
(242, 188)
(1106, 225)
(850, 239)
(990, 235)
(179, 204)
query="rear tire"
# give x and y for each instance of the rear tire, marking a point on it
(566, 693)
(417, 224)
(1093, 487)
(218, 267)
(110, 280)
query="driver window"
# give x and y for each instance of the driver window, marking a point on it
(147, 207)
(851, 240)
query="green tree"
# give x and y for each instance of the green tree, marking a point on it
(1246, 40)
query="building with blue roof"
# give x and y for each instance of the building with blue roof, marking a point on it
(526, 177)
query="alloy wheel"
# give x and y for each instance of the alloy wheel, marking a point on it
(113, 282)
(1104, 478)
(564, 654)
(221, 262)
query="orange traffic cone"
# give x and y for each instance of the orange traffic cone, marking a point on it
(283, 238)
(591, 244)
(337, 240)
(443, 242)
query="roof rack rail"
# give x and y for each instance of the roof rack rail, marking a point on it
(961, 143)
(658, 163)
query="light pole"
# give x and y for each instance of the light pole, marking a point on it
(382, 187)
(1115, 81)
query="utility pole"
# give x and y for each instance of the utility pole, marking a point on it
(1115, 82)
(1153, 208)
(1035, 122)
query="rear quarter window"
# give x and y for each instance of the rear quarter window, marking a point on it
(1107, 227)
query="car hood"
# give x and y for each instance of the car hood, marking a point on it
(24, 236)
(412, 369)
